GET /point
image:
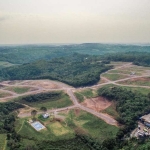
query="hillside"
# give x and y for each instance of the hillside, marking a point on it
(29, 53)
(76, 70)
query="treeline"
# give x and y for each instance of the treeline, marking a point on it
(7, 118)
(130, 106)
(42, 97)
(76, 70)
(7, 121)
(30, 53)
(138, 58)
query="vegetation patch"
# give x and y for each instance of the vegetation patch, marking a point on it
(83, 94)
(144, 81)
(18, 90)
(2, 141)
(114, 77)
(4, 94)
(76, 70)
(58, 129)
(49, 100)
(111, 110)
(92, 125)
(129, 105)
(79, 96)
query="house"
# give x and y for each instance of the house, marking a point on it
(146, 120)
(46, 115)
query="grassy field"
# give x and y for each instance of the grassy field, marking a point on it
(144, 91)
(79, 96)
(2, 141)
(63, 101)
(111, 110)
(88, 93)
(81, 122)
(114, 77)
(54, 130)
(4, 94)
(18, 90)
(93, 126)
(141, 81)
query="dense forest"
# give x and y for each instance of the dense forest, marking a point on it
(7, 121)
(138, 58)
(130, 106)
(76, 70)
(30, 53)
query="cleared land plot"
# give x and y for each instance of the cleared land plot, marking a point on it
(19, 90)
(81, 95)
(114, 77)
(59, 129)
(4, 94)
(92, 125)
(133, 89)
(47, 84)
(144, 81)
(117, 64)
(57, 101)
(2, 141)
(111, 110)
(124, 71)
(97, 104)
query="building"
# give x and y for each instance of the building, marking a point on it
(46, 115)
(146, 120)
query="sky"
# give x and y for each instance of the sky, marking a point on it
(74, 21)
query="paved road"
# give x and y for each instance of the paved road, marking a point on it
(69, 91)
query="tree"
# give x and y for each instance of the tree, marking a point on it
(44, 109)
(33, 113)
(149, 95)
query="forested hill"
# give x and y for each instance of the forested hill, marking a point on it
(138, 58)
(76, 70)
(31, 53)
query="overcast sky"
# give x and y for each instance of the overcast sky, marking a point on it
(74, 21)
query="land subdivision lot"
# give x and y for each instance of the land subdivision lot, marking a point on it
(115, 76)
(4, 94)
(19, 90)
(142, 81)
(97, 104)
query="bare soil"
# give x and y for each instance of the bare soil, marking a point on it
(97, 104)
(42, 83)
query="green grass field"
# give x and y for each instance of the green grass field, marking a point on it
(114, 77)
(143, 82)
(83, 123)
(111, 110)
(54, 131)
(88, 93)
(144, 91)
(92, 125)
(18, 90)
(2, 141)
(4, 94)
(63, 101)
